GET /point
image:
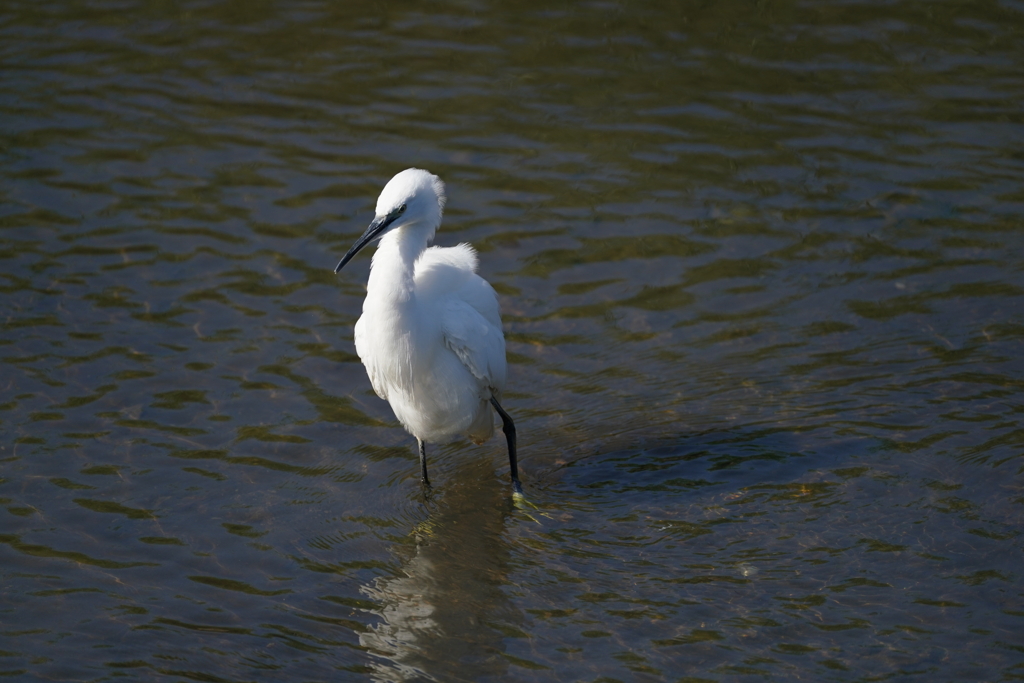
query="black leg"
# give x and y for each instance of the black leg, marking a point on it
(423, 462)
(509, 428)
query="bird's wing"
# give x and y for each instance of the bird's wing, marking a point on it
(478, 293)
(477, 342)
(451, 271)
(470, 318)
(363, 350)
(442, 270)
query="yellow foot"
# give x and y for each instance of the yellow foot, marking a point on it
(529, 510)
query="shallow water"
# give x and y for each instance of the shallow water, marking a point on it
(760, 267)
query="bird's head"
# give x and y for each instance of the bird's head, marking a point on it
(414, 197)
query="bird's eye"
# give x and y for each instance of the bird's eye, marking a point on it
(401, 209)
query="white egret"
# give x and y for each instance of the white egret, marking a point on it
(430, 333)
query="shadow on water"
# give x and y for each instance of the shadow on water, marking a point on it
(444, 615)
(760, 552)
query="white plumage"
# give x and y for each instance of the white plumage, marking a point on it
(430, 333)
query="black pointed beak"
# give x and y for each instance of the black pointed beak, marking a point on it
(379, 225)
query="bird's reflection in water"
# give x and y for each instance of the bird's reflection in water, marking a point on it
(441, 616)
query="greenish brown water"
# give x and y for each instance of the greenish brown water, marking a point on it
(761, 268)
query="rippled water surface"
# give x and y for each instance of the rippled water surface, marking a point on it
(761, 268)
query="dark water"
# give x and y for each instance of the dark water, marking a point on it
(762, 272)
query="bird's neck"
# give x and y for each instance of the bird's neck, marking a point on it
(394, 264)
